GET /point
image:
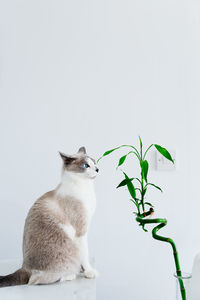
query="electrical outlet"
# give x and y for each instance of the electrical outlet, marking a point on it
(163, 164)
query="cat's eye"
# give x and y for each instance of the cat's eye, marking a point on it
(86, 166)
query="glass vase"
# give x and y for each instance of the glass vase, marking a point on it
(186, 279)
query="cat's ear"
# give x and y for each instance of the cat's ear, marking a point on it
(82, 150)
(67, 159)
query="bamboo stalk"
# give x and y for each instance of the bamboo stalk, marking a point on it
(163, 222)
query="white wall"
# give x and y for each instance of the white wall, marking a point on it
(98, 73)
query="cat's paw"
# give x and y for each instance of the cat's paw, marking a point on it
(91, 273)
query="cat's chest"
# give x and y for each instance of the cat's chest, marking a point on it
(82, 192)
(87, 196)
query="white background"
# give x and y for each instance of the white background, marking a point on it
(97, 74)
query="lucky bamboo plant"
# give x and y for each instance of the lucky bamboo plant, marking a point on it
(138, 187)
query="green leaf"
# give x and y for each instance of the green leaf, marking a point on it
(110, 151)
(107, 153)
(147, 150)
(144, 191)
(140, 142)
(164, 152)
(138, 189)
(144, 228)
(124, 182)
(145, 167)
(140, 147)
(157, 187)
(122, 160)
(148, 203)
(138, 180)
(130, 186)
(135, 202)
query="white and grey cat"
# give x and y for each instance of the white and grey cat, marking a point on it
(55, 243)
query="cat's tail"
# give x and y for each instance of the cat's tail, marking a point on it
(19, 277)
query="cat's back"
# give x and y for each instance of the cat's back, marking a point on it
(52, 211)
(45, 244)
(40, 208)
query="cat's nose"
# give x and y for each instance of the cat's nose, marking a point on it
(97, 170)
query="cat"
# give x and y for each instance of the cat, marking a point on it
(55, 246)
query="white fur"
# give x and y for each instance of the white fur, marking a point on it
(91, 171)
(69, 230)
(91, 273)
(80, 187)
(83, 246)
(44, 277)
(68, 278)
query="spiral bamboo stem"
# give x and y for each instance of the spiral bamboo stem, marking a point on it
(163, 222)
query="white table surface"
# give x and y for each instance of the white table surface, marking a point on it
(79, 289)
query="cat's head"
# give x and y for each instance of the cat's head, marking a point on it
(80, 164)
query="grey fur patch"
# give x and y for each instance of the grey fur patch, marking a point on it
(77, 165)
(66, 158)
(45, 246)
